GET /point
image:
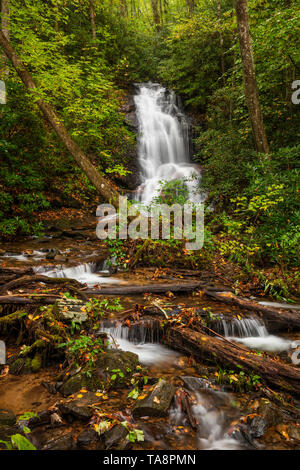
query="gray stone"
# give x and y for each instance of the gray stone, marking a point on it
(86, 437)
(116, 438)
(157, 401)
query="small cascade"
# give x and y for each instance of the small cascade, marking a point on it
(88, 273)
(242, 328)
(143, 340)
(253, 333)
(213, 413)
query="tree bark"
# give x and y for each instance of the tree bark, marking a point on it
(92, 16)
(104, 187)
(156, 16)
(250, 84)
(221, 42)
(149, 289)
(5, 27)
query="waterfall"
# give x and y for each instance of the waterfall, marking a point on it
(164, 144)
(253, 333)
(89, 273)
(143, 340)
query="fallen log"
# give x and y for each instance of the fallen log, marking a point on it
(275, 319)
(146, 289)
(23, 300)
(21, 281)
(279, 375)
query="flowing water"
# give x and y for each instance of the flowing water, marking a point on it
(253, 333)
(88, 273)
(164, 143)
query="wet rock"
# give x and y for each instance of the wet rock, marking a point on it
(80, 412)
(71, 310)
(157, 401)
(52, 253)
(99, 376)
(81, 406)
(267, 415)
(6, 432)
(195, 384)
(65, 442)
(7, 418)
(86, 438)
(50, 387)
(116, 438)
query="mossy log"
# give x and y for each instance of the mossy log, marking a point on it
(278, 374)
(8, 322)
(24, 280)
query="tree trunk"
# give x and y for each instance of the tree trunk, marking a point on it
(5, 28)
(221, 43)
(200, 345)
(155, 11)
(104, 187)
(92, 15)
(250, 84)
(191, 6)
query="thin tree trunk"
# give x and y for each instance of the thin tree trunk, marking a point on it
(250, 84)
(155, 11)
(92, 15)
(5, 28)
(103, 187)
(221, 43)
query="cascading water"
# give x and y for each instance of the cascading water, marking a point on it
(164, 144)
(143, 340)
(88, 273)
(253, 333)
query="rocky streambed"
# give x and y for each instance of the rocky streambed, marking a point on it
(192, 368)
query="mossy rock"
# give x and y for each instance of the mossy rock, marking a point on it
(27, 365)
(36, 363)
(100, 376)
(124, 362)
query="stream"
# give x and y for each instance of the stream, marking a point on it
(164, 154)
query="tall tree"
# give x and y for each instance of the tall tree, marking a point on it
(191, 6)
(250, 84)
(5, 28)
(92, 16)
(155, 11)
(104, 187)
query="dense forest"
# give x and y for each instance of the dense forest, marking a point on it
(69, 140)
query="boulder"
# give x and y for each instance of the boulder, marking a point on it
(102, 375)
(267, 415)
(156, 402)
(86, 438)
(69, 310)
(116, 438)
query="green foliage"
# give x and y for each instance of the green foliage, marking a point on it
(19, 442)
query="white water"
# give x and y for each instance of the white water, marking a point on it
(164, 153)
(253, 334)
(144, 343)
(211, 419)
(84, 273)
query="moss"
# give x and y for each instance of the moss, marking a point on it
(36, 363)
(17, 366)
(27, 365)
